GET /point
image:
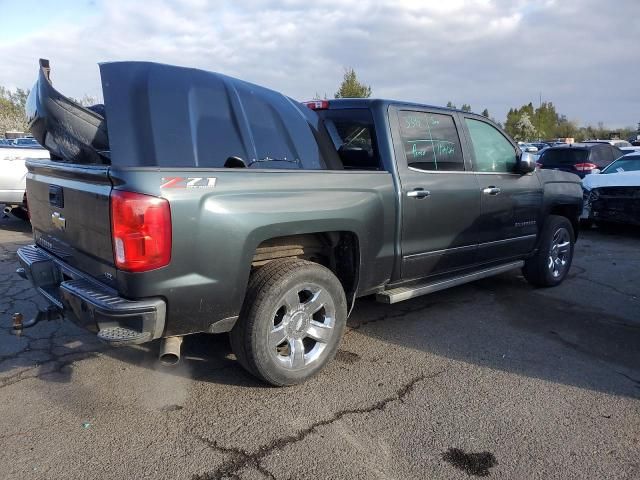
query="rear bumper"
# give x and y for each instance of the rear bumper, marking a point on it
(89, 303)
(12, 197)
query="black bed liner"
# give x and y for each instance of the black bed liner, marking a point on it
(69, 131)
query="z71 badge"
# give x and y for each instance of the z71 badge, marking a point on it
(188, 182)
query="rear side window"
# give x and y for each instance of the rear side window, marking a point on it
(493, 152)
(616, 152)
(564, 156)
(353, 135)
(430, 141)
(601, 155)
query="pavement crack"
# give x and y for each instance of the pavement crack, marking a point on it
(608, 286)
(240, 458)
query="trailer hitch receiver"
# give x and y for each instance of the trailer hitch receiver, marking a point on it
(50, 313)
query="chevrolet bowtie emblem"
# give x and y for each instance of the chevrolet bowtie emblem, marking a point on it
(58, 221)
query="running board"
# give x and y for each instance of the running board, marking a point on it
(405, 293)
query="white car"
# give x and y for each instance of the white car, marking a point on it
(13, 175)
(627, 150)
(527, 147)
(613, 195)
(616, 143)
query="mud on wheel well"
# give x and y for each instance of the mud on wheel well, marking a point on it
(338, 251)
(571, 212)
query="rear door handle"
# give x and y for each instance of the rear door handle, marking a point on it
(491, 190)
(419, 193)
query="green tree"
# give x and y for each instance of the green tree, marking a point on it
(465, 107)
(450, 104)
(12, 114)
(566, 128)
(351, 86)
(524, 128)
(513, 115)
(485, 112)
(545, 118)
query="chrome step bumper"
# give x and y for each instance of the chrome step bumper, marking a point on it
(89, 303)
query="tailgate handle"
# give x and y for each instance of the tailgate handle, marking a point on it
(56, 197)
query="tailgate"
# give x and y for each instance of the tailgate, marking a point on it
(69, 207)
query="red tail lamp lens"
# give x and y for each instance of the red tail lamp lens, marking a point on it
(140, 230)
(583, 167)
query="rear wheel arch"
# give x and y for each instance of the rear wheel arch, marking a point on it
(339, 251)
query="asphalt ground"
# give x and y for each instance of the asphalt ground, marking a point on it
(494, 378)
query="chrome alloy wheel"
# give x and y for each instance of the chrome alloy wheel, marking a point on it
(303, 326)
(560, 252)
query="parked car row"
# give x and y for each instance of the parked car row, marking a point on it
(579, 158)
(29, 142)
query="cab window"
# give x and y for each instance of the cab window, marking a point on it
(493, 152)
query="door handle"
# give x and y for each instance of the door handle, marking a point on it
(491, 190)
(419, 193)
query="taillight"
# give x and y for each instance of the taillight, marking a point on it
(317, 104)
(583, 167)
(140, 231)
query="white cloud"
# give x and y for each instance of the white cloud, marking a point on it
(489, 53)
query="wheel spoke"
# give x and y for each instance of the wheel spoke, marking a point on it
(319, 332)
(291, 300)
(296, 353)
(563, 247)
(277, 336)
(318, 301)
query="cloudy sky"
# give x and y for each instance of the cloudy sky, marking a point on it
(581, 54)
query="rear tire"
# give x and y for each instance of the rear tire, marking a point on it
(550, 265)
(291, 322)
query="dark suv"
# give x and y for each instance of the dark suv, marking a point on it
(579, 158)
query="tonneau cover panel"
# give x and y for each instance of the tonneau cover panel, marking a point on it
(167, 116)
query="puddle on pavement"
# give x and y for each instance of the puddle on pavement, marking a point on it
(476, 464)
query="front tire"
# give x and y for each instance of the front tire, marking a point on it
(550, 265)
(291, 322)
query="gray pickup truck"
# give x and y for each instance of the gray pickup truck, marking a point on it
(194, 202)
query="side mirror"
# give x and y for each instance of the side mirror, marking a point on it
(525, 163)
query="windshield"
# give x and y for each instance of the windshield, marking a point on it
(564, 156)
(624, 164)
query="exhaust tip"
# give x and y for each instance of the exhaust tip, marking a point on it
(7, 210)
(169, 359)
(170, 351)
